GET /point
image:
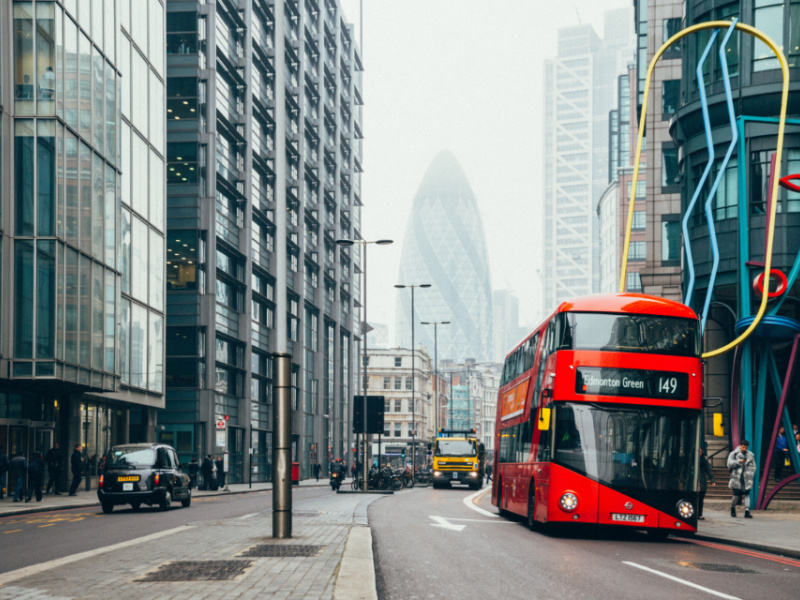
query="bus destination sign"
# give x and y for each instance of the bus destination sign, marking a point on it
(602, 381)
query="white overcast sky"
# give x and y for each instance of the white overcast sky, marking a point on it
(463, 75)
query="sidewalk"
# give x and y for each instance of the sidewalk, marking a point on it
(329, 556)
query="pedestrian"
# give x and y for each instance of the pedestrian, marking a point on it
(742, 465)
(194, 469)
(317, 469)
(488, 471)
(208, 472)
(54, 461)
(36, 471)
(706, 475)
(5, 464)
(220, 472)
(18, 467)
(796, 439)
(76, 465)
(780, 454)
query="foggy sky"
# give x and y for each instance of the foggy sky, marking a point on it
(463, 75)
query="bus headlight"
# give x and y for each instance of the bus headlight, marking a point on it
(685, 509)
(568, 502)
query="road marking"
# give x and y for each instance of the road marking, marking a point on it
(247, 516)
(445, 524)
(754, 553)
(36, 569)
(472, 498)
(12, 531)
(481, 521)
(50, 525)
(678, 580)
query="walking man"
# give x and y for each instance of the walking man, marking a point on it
(194, 469)
(18, 467)
(706, 475)
(36, 469)
(742, 465)
(5, 464)
(317, 469)
(76, 464)
(780, 454)
(208, 472)
(220, 473)
(53, 460)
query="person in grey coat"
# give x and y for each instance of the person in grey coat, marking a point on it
(742, 465)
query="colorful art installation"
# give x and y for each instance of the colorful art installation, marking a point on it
(755, 334)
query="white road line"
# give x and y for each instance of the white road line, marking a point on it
(36, 569)
(469, 501)
(243, 517)
(444, 524)
(678, 580)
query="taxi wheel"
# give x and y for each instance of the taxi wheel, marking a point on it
(107, 507)
(186, 502)
(165, 503)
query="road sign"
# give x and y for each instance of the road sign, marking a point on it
(220, 424)
(412, 432)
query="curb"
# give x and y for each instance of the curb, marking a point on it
(378, 492)
(749, 545)
(50, 508)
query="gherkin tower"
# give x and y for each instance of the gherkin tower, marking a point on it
(444, 246)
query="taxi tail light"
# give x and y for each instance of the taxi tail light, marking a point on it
(156, 479)
(100, 482)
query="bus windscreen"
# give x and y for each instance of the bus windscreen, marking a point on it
(649, 334)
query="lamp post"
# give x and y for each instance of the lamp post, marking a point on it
(413, 380)
(346, 244)
(435, 370)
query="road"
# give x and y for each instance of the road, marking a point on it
(431, 544)
(40, 537)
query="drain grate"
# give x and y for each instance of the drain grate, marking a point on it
(306, 513)
(282, 550)
(717, 568)
(198, 570)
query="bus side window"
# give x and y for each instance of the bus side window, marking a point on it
(543, 354)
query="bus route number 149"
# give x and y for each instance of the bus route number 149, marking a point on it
(668, 385)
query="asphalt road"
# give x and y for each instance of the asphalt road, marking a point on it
(430, 544)
(35, 538)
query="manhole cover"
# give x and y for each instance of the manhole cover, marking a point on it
(198, 570)
(282, 550)
(719, 568)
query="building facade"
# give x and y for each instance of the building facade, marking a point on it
(82, 303)
(444, 246)
(505, 327)
(264, 104)
(579, 93)
(392, 376)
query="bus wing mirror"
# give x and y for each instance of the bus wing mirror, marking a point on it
(719, 429)
(544, 419)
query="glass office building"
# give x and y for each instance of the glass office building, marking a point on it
(263, 175)
(82, 226)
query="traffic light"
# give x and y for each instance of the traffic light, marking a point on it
(403, 454)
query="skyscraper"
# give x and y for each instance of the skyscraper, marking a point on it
(264, 166)
(444, 246)
(82, 292)
(579, 93)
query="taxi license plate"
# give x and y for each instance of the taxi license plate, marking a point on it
(455, 475)
(127, 487)
(628, 518)
(128, 478)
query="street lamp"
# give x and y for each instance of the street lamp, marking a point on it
(346, 244)
(413, 381)
(435, 370)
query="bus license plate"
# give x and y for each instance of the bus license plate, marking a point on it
(455, 475)
(127, 487)
(629, 518)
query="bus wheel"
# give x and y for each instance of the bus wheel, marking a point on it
(532, 524)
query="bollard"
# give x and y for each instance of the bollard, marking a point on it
(282, 448)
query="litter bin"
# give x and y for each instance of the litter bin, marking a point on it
(295, 473)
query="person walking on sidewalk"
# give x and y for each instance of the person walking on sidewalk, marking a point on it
(780, 454)
(18, 467)
(194, 469)
(54, 461)
(742, 465)
(488, 472)
(76, 464)
(5, 464)
(317, 469)
(220, 473)
(36, 470)
(706, 475)
(208, 472)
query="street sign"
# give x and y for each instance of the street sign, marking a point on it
(412, 432)
(221, 424)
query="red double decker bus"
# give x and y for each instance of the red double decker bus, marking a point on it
(598, 416)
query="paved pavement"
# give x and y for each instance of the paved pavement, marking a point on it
(332, 529)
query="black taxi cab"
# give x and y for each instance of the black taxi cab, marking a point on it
(139, 474)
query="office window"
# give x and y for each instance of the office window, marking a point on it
(398, 383)
(670, 240)
(24, 176)
(768, 17)
(633, 282)
(639, 220)
(637, 251)
(182, 98)
(669, 166)
(670, 97)
(398, 430)
(387, 383)
(398, 361)
(398, 406)
(409, 383)
(182, 32)
(670, 28)
(23, 299)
